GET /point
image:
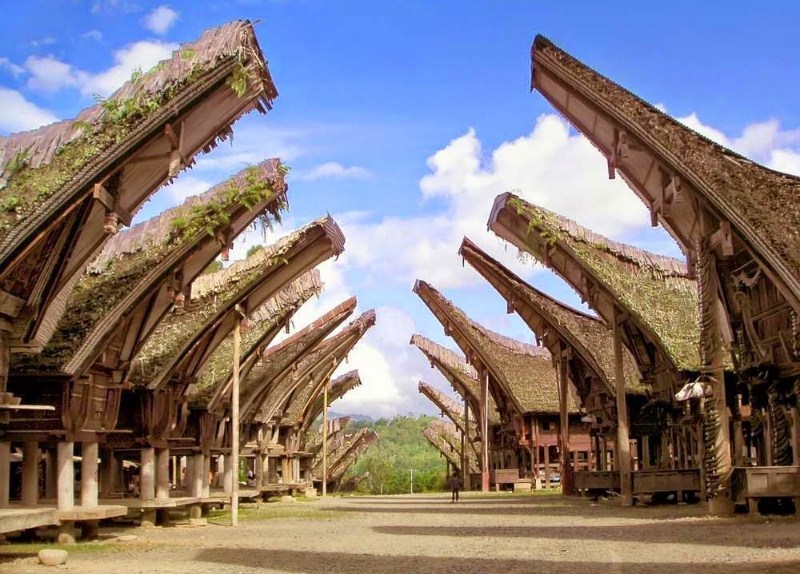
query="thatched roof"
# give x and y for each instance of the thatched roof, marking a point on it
(524, 372)
(295, 391)
(446, 438)
(655, 291)
(184, 341)
(460, 374)
(279, 360)
(76, 180)
(451, 408)
(553, 321)
(136, 268)
(337, 388)
(261, 328)
(760, 204)
(357, 446)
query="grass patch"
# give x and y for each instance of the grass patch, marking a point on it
(25, 549)
(274, 511)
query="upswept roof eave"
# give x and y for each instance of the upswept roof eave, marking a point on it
(674, 293)
(337, 388)
(552, 312)
(745, 193)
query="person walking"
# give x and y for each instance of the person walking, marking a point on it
(455, 486)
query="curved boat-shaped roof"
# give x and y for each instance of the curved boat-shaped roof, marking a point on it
(65, 187)
(669, 166)
(262, 327)
(337, 388)
(524, 373)
(557, 325)
(184, 341)
(311, 372)
(459, 373)
(134, 281)
(653, 295)
(281, 359)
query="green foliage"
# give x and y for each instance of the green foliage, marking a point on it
(399, 448)
(238, 81)
(213, 267)
(213, 215)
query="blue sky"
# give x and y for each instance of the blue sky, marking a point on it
(405, 119)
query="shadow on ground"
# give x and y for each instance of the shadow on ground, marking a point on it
(663, 533)
(329, 562)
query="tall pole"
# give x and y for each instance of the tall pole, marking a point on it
(325, 441)
(484, 418)
(237, 342)
(623, 454)
(412, 480)
(563, 390)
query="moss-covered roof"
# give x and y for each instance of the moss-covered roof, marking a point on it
(262, 326)
(337, 388)
(40, 170)
(586, 334)
(212, 294)
(760, 203)
(655, 289)
(454, 368)
(277, 360)
(525, 370)
(130, 261)
(295, 388)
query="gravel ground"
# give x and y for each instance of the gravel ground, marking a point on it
(401, 534)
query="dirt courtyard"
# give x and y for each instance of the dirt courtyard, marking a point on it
(401, 534)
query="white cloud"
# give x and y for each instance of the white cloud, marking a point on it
(141, 55)
(334, 170)
(186, 186)
(47, 74)
(14, 69)
(18, 114)
(160, 20)
(113, 6)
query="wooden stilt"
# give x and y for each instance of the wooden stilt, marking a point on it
(325, 441)
(465, 444)
(563, 393)
(227, 480)
(66, 476)
(623, 455)
(162, 474)
(198, 465)
(237, 342)
(147, 474)
(89, 453)
(484, 432)
(30, 473)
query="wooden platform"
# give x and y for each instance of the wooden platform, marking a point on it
(751, 483)
(99, 512)
(596, 480)
(13, 519)
(139, 504)
(656, 481)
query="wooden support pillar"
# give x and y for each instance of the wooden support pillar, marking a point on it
(206, 476)
(546, 465)
(197, 475)
(30, 473)
(89, 453)
(162, 474)
(237, 342)
(5, 473)
(188, 476)
(227, 479)
(484, 419)
(465, 478)
(644, 464)
(66, 476)
(259, 470)
(598, 454)
(623, 454)
(713, 354)
(738, 435)
(107, 472)
(147, 474)
(325, 440)
(567, 484)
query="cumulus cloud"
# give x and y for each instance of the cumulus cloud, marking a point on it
(18, 114)
(334, 170)
(9, 66)
(160, 20)
(48, 74)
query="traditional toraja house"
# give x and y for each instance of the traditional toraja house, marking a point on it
(343, 456)
(112, 312)
(648, 300)
(721, 208)
(447, 439)
(337, 388)
(464, 380)
(522, 382)
(67, 187)
(455, 412)
(175, 356)
(586, 345)
(291, 396)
